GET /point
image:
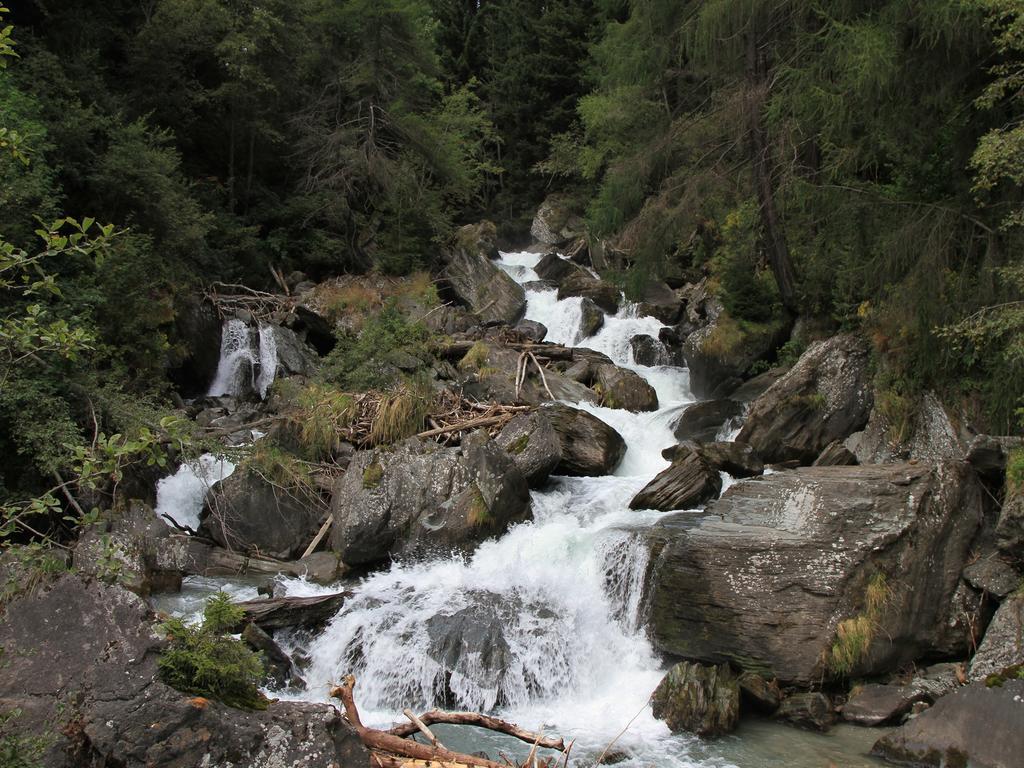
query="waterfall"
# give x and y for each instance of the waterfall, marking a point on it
(545, 624)
(248, 360)
(180, 496)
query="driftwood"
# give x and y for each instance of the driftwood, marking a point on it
(319, 536)
(278, 612)
(458, 349)
(388, 749)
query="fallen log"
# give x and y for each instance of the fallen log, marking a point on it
(390, 750)
(439, 717)
(278, 612)
(458, 349)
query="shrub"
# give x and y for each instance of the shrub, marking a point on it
(206, 661)
(748, 293)
(320, 413)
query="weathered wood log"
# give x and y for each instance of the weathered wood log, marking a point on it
(383, 760)
(383, 741)
(471, 424)
(277, 612)
(458, 349)
(422, 727)
(439, 717)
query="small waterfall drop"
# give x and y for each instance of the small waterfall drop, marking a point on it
(180, 496)
(248, 360)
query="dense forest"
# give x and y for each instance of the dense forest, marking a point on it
(854, 164)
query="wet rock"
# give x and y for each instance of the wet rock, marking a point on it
(590, 448)
(993, 575)
(808, 710)
(246, 513)
(532, 330)
(720, 354)
(699, 699)
(294, 355)
(555, 269)
(753, 388)
(703, 421)
(648, 351)
(975, 725)
(602, 293)
(80, 662)
(1010, 527)
(826, 396)
(875, 704)
(659, 301)
(555, 223)
(592, 319)
(418, 496)
(623, 388)
(280, 672)
(759, 694)
(534, 446)
(690, 481)
(929, 435)
(835, 454)
(497, 382)
(672, 341)
(763, 577)
(1003, 644)
(280, 612)
(486, 290)
(738, 459)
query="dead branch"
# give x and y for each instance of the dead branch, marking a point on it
(439, 717)
(319, 536)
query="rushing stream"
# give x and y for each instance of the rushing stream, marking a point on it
(548, 619)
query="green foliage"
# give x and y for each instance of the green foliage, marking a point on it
(372, 475)
(748, 293)
(1015, 471)
(320, 413)
(388, 344)
(24, 568)
(206, 661)
(19, 751)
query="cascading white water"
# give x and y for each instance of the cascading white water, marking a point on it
(247, 359)
(180, 496)
(545, 624)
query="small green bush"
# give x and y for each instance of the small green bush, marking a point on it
(1015, 471)
(206, 661)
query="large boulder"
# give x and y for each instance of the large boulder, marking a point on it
(197, 329)
(486, 290)
(533, 444)
(875, 704)
(703, 421)
(808, 709)
(590, 448)
(601, 292)
(977, 725)
(623, 388)
(925, 432)
(555, 223)
(591, 318)
(418, 495)
(495, 381)
(648, 350)
(826, 396)
(294, 355)
(720, 354)
(1003, 644)
(690, 481)
(80, 664)
(554, 268)
(699, 699)
(766, 577)
(659, 301)
(245, 512)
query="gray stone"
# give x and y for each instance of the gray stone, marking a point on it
(532, 442)
(703, 421)
(975, 725)
(246, 513)
(498, 383)
(1003, 643)
(754, 387)
(738, 459)
(590, 447)
(418, 496)
(929, 435)
(555, 269)
(759, 694)
(555, 223)
(875, 704)
(592, 318)
(699, 699)
(993, 575)
(486, 290)
(690, 481)
(623, 388)
(720, 353)
(659, 301)
(80, 662)
(648, 351)
(601, 292)
(835, 454)
(826, 396)
(1010, 526)
(280, 671)
(763, 577)
(294, 355)
(532, 330)
(809, 710)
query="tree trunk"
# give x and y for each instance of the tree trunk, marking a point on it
(774, 235)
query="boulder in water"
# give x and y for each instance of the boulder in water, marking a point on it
(486, 290)
(976, 725)
(659, 301)
(601, 292)
(738, 459)
(826, 396)
(759, 694)
(720, 353)
(534, 446)
(703, 421)
(590, 448)
(623, 388)
(247, 513)
(648, 351)
(418, 496)
(809, 709)
(555, 269)
(699, 699)
(591, 318)
(690, 481)
(768, 574)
